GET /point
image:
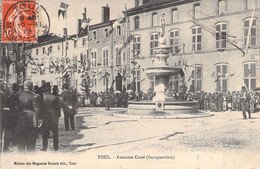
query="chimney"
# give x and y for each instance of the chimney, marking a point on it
(79, 26)
(65, 32)
(105, 14)
(85, 13)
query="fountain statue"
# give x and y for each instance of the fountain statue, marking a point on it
(161, 106)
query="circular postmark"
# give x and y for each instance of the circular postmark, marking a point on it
(25, 21)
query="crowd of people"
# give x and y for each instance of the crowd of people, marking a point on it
(29, 111)
(217, 101)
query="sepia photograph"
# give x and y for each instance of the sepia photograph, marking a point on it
(130, 84)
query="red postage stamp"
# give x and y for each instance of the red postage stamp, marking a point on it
(19, 21)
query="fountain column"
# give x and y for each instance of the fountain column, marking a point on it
(160, 68)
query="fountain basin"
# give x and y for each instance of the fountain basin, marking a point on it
(172, 110)
(162, 71)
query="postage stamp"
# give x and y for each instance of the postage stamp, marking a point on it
(23, 21)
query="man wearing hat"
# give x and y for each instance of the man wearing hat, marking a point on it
(27, 120)
(69, 106)
(55, 90)
(50, 117)
(11, 117)
(245, 98)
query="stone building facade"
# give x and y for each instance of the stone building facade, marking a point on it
(208, 40)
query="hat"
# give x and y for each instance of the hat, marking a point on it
(47, 87)
(55, 88)
(16, 87)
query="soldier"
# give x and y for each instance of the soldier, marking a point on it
(11, 117)
(69, 108)
(27, 120)
(50, 118)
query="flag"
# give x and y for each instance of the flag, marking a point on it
(249, 30)
(85, 24)
(63, 9)
(118, 21)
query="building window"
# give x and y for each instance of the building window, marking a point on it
(43, 50)
(105, 57)
(106, 32)
(75, 63)
(82, 59)
(221, 35)
(196, 11)
(50, 49)
(137, 79)
(94, 35)
(196, 38)
(174, 41)
(94, 82)
(137, 45)
(94, 58)
(136, 22)
(252, 33)
(154, 19)
(153, 42)
(118, 30)
(58, 47)
(84, 42)
(196, 78)
(250, 75)
(105, 80)
(37, 51)
(222, 6)
(174, 15)
(221, 75)
(75, 43)
(118, 56)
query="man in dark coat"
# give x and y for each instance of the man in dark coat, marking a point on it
(11, 117)
(27, 120)
(245, 98)
(50, 117)
(69, 106)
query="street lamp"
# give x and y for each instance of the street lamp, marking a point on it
(106, 75)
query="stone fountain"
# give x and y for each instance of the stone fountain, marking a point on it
(162, 106)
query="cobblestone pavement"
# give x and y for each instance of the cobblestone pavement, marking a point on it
(223, 140)
(223, 132)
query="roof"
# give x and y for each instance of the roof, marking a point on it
(155, 5)
(52, 38)
(101, 25)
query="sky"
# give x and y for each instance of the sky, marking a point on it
(76, 8)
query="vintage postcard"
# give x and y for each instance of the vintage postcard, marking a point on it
(124, 84)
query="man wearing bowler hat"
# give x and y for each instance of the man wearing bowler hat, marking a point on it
(50, 117)
(69, 107)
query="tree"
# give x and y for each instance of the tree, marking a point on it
(86, 84)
